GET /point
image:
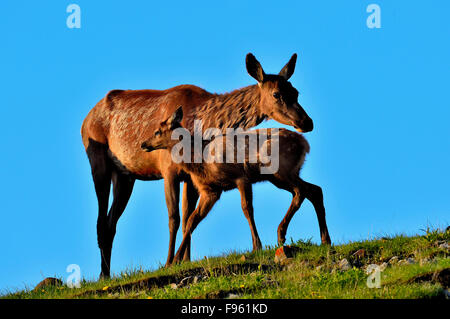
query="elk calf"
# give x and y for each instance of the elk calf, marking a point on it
(211, 178)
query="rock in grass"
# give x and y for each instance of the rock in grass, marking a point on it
(48, 282)
(188, 280)
(173, 286)
(393, 260)
(383, 266)
(407, 261)
(444, 246)
(375, 267)
(344, 265)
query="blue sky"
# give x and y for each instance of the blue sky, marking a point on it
(378, 97)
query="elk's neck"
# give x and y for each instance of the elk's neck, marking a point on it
(238, 108)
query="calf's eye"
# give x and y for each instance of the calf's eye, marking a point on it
(276, 95)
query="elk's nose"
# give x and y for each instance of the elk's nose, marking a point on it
(307, 125)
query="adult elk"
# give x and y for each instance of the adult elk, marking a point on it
(220, 173)
(113, 131)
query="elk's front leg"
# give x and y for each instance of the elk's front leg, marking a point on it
(190, 198)
(172, 193)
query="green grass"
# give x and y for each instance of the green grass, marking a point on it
(313, 272)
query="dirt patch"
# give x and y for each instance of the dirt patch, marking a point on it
(442, 277)
(164, 280)
(221, 294)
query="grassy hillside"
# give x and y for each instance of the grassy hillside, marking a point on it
(412, 267)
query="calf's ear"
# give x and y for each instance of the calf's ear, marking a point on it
(176, 118)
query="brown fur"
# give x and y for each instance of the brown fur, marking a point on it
(211, 179)
(114, 128)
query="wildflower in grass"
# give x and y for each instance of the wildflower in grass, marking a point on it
(242, 286)
(149, 297)
(105, 288)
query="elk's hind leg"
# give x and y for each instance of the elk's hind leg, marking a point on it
(245, 189)
(294, 187)
(122, 189)
(101, 169)
(315, 195)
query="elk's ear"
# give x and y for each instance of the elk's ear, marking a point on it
(289, 68)
(176, 117)
(254, 68)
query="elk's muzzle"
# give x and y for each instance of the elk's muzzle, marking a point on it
(306, 126)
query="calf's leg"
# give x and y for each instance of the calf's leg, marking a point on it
(205, 204)
(315, 195)
(297, 200)
(245, 189)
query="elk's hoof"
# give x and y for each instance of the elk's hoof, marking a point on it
(281, 241)
(104, 276)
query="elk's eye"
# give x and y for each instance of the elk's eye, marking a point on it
(276, 95)
(158, 133)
